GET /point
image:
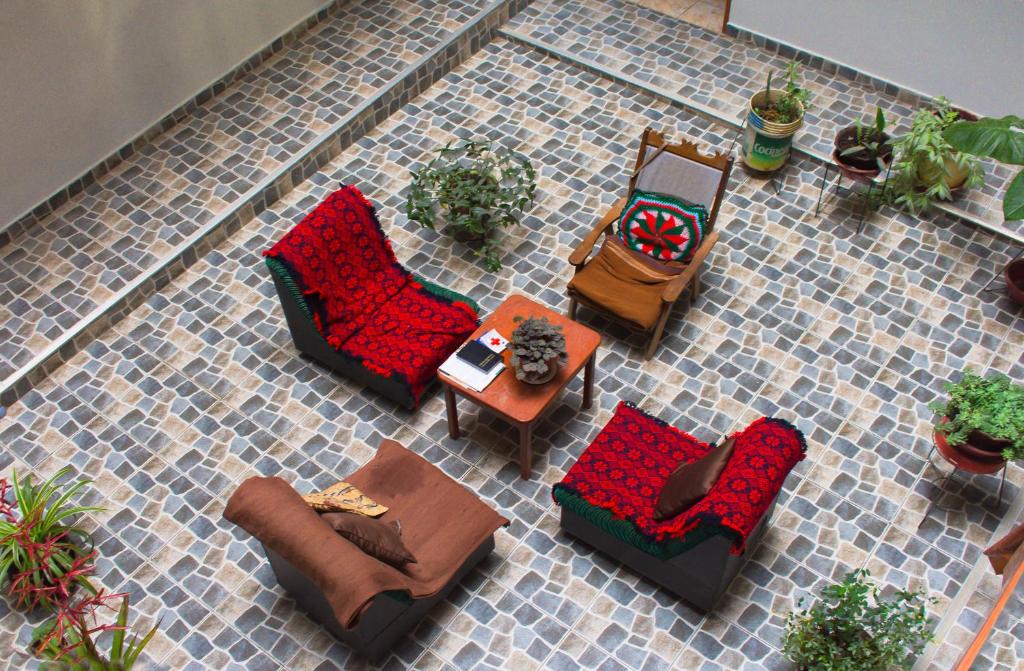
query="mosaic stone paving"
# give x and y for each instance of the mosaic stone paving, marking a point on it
(93, 246)
(847, 336)
(721, 73)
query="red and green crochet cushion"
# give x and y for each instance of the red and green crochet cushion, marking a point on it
(616, 481)
(364, 303)
(662, 227)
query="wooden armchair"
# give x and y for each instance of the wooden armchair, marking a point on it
(626, 284)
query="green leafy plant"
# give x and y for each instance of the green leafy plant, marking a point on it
(854, 628)
(792, 101)
(870, 143)
(67, 641)
(536, 343)
(475, 188)
(925, 160)
(992, 405)
(39, 558)
(1001, 139)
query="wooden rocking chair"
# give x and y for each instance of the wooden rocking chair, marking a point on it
(628, 285)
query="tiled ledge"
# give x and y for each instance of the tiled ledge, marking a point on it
(801, 144)
(711, 75)
(11, 230)
(409, 83)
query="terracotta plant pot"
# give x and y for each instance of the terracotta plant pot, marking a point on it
(979, 446)
(1014, 275)
(855, 167)
(533, 378)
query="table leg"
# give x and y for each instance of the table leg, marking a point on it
(453, 411)
(588, 381)
(525, 453)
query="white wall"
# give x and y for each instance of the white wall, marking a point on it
(81, 78)
(971, 51)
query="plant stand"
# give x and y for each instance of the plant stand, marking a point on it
(865, 195)
(960, 462)
(988, 287)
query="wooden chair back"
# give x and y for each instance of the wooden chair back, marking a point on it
(682, 171)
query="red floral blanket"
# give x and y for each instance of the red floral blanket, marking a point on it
(626, 466)
(364, 302)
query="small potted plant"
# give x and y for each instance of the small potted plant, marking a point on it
(476, 189)
(855, 628)
(862, 151)
(983, 417)
(43, 559)
(538, 347)
(68, 640)
(1003, 140)
(773, 118)
(927, 167)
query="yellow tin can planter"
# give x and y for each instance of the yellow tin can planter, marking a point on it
(766, 144)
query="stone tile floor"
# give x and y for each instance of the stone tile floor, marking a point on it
(707, 14)
(721, 73)
(848, 336)
(82, 255)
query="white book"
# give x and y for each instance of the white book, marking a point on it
(469, 375)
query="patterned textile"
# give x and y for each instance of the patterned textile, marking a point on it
(662, 227)
(626, 466)
(362, 300)
(343, 497)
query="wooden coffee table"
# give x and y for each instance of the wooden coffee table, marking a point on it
(519, 402)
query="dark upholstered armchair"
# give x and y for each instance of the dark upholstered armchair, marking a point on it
(351, 306)
(620, 282)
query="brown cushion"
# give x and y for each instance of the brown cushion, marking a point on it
(617, 280)
(690, 482)
(376, 538)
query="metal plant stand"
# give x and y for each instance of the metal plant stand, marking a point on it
(866, 195)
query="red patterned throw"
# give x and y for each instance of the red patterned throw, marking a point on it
(366, 305)
(626, 466)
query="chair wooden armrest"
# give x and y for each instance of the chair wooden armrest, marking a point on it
(672, 290)
(582, 251)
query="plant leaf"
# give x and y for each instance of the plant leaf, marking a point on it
(1013, 201)
(1001, 139)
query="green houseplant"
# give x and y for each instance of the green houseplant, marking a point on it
(537, 348)
(43, 557)
(773, 118)
(475, 188)
(927, 167)
(983, 417)
(863, 150)
(1003, 140)
(67, 641)
(854, 628)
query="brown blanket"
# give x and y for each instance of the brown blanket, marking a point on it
(442, 524)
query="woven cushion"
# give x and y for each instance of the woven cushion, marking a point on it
(616, 481)
(663, 227)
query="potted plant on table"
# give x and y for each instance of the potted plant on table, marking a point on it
(538, 347)
(43, 558)
(983, 417)
(773, 118)
(476, 189)
(862, 151)
(1003, 140)
(927, 167)
(854, 628)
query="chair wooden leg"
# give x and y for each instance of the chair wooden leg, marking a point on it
(658, 330)
(695, 287)
(572, 308)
